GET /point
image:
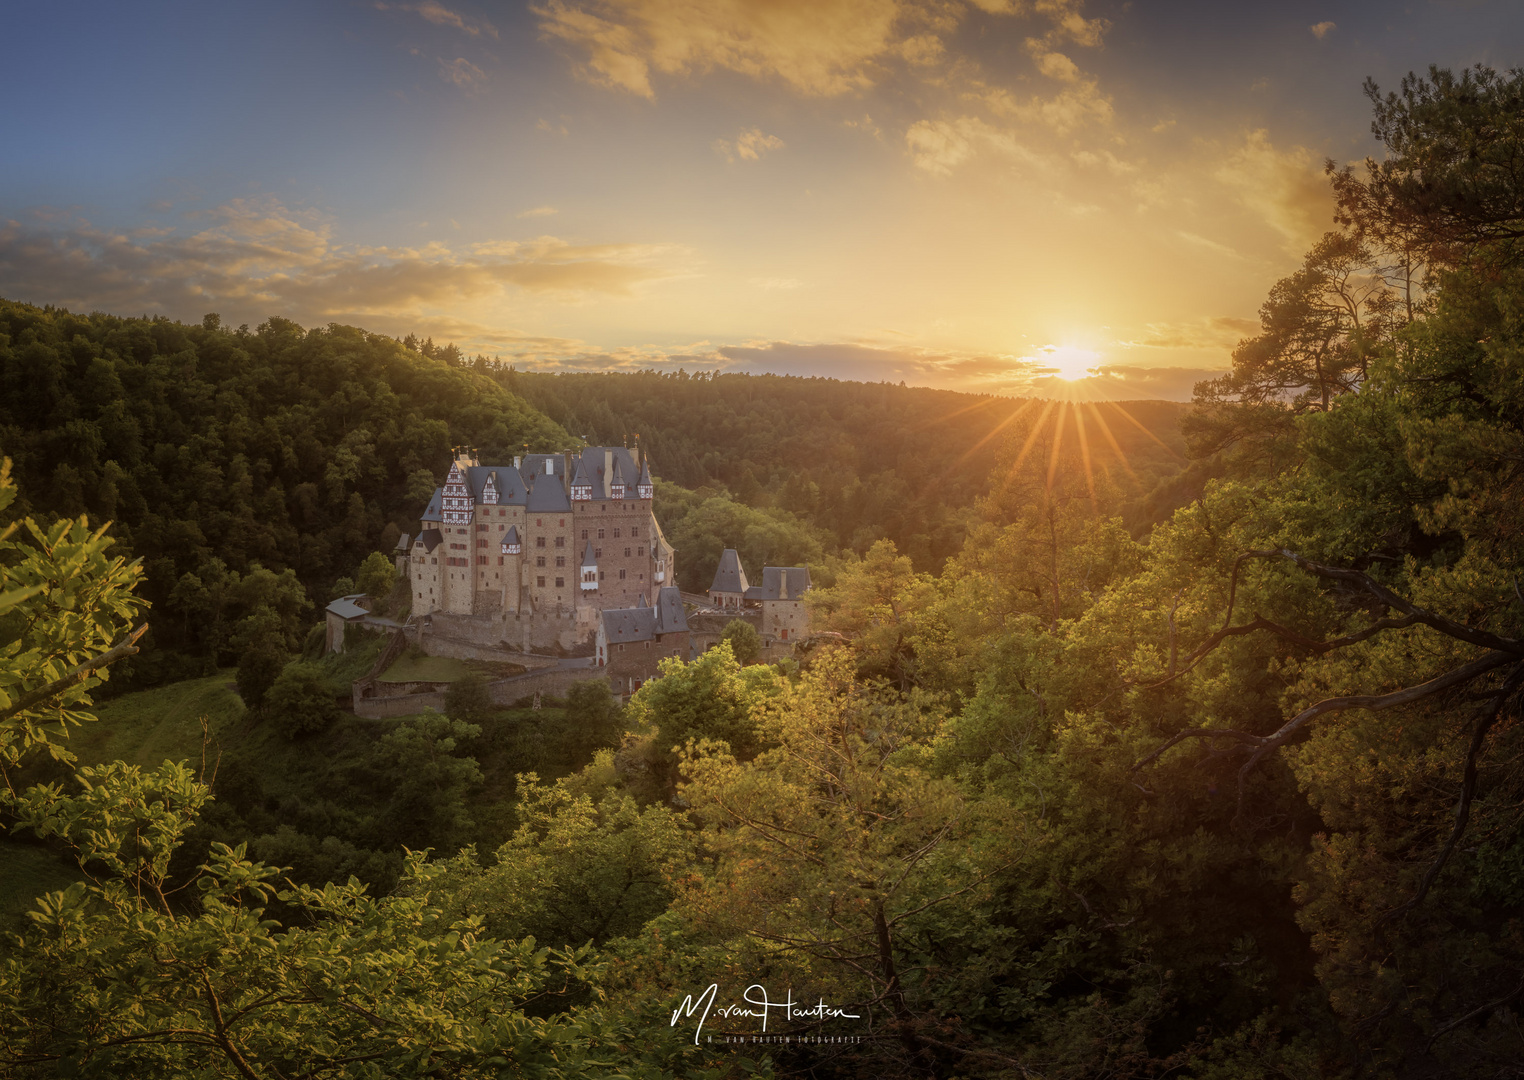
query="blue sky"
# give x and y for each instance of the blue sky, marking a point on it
(980, 194)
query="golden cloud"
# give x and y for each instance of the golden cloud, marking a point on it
(817, 47)
(1286, 188)
(434, 12)
(750, 145)
(257, 257)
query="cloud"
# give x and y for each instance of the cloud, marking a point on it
(1209, 245)
(1285, 188)
(940, 146)
(538, 211)
(255, 257)
(1218, 333)
(1323, 29)
(439, 15)
(750, 145)
(816, 47)
(462, 73)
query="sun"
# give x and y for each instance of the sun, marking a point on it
(1070, 362)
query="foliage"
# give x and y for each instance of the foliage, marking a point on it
(710, 698)
(468, 699)
(64, 604)
(301, 703)
(113, 978)
(615, 857)
(775, 464)
(258, 669)
(219, 452)
(377, 575)
(744, 641)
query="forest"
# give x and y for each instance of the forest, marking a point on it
(1191, 768)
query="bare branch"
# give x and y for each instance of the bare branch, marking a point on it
(58, 686)
(1468, 792)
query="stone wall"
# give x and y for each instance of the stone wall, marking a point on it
(555, 681)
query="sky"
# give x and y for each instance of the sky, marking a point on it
(1070, 198)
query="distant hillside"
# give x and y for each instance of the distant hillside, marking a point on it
(860, 460)
(214, 449)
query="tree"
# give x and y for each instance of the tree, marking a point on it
(710, 698)
(614, 857)
(430, 783)
(1451, 172)
(1319, 329)
(592, 716)
(376, 576)
(832, 845)
(258, 669)
(468, 699)
(300, 702)
(131, 971)
(744, 641)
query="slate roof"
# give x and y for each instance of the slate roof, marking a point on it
(430, 539)
(643, 623)
(622, 625)
(511, 538)
(527, 486)
(346, 608)
(592, 460)
(670, 616)
(548, 493)
(510, 485)
(784, 582)
(645, 472)
(588, 558)
(403, 543)
(729, 577)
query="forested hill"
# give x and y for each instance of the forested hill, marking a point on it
(215, 449)
(862, 461)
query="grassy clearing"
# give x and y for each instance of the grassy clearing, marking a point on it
(150, 726)
(427, 669)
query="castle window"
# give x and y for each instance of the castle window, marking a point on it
(540, 581)
(500, 560)
(481, 543)
(600, 575)
(481, 560)
(562, 523)
(600, 534)
(501, 513)
(621, 575)
(560, 560)
(539, 560)
(597, 553)
(539, 521)
(481, 528)
(634, 530)
(560, 582)
(539, 541)
(626, 553)
(616, 534)
(560, 541)
(640, 550)
(584, 534)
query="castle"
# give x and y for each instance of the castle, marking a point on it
(541, 546)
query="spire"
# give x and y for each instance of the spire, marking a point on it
(581, 487)
(616, 482)
(644, 488)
